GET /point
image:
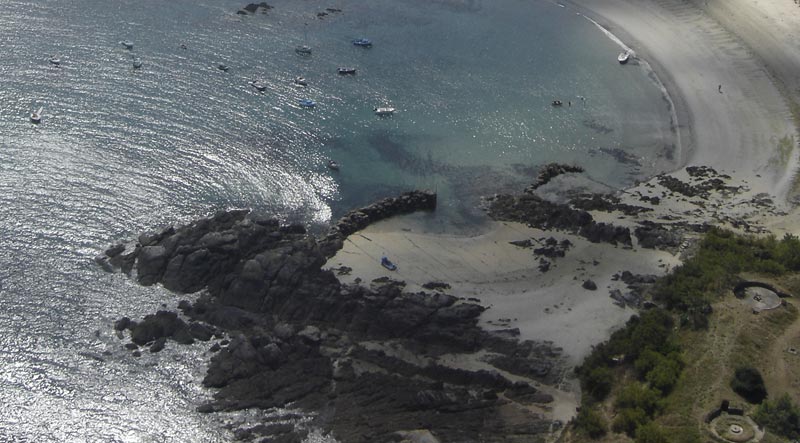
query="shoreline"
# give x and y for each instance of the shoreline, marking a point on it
(725, 130)
(739, 131)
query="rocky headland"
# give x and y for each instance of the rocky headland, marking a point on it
(374, 363)
(372, 360)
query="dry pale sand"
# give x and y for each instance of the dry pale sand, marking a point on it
(505, 278)
(746, 131)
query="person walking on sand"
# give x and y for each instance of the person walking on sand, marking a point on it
(719, 88)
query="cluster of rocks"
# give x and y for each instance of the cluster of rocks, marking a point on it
(656, 236)
(606, 203)
(707, 180)
(637, 285)
(361, 218)
(539, 213)
(285, 331)
(549, 172)
(252, 8)
(322, 14)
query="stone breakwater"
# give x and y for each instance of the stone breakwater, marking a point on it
(369, 361)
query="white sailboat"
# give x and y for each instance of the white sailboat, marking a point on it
(36, 116)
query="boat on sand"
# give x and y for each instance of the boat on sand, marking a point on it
(386, 263)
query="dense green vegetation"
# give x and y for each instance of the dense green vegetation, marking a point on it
(723, 255)
(780, 416)
(641, 363)
(748, 383)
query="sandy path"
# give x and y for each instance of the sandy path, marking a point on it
(740, 129)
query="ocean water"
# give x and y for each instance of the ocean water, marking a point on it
(120, 151)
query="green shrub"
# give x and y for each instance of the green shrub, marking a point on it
(598, 382)
(628, 420)
(787, 252)
(780, 416)
(664, 376)
(648, 360)
(638, 396)
(748, 383)
(590, 422)
(651, 433)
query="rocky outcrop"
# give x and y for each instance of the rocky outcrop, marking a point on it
(539, 213)
(252, 8)
(654, 236)
(297, 336)
(606, 203)
(549, 172)
(361, 218)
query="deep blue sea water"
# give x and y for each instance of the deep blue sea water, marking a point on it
(120, 151)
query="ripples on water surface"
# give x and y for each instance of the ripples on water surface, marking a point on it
(122, 150)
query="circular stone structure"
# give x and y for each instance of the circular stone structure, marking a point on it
(758, 296)
(735, 429)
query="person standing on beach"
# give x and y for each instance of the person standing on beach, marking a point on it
(719, 88)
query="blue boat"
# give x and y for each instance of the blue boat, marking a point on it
(386, 263)
(363, 42)
(307, 103)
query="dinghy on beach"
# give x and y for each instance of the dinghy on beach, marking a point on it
(386, 263)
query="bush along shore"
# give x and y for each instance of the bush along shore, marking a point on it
(630, 383)
(366, 361)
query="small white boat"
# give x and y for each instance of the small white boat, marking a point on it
(307, 103)
(300, 81)
(383, 111)
(137, 63)
(623, 57)
(261, 87)
(55, 61)
(363, 42)
(332, 164)
(304, 50)
(127, 44)
(36, 116)
(346, 70)
(222, 67)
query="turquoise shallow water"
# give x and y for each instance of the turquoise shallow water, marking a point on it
(122, 150)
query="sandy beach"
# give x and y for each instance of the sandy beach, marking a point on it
(746, 130)
(729, 75)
